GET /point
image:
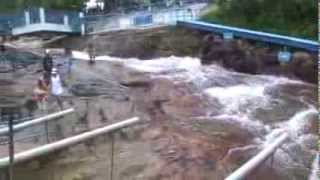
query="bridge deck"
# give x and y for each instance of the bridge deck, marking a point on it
(42, 27)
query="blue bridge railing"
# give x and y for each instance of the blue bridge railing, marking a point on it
(5, 24)
(34, 15)
(54, 16)
(254, 35)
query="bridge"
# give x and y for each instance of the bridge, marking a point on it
(40, 20)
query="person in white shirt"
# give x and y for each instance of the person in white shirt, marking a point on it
(56, 87)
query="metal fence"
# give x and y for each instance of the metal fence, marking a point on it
(127, 9)
(139, 19)
(74, 20)
(34, 15)
(41, 138)
(54, 16)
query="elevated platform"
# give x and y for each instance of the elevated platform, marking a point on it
(33, 20)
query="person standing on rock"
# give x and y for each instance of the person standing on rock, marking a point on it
(56, 87)
(2, 46)
(92, 53)
(47, 66)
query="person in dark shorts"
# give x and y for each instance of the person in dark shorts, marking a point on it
(47, 67)
(92, 53)
(2, 46)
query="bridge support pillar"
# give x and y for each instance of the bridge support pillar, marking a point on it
(83, 29)
(42, 15)
(27, 17)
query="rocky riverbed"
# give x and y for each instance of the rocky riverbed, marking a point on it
(199, 122)
(239, 55)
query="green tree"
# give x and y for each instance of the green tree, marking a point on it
(13, 5)
(290, 17)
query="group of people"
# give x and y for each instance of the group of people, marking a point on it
(49, 84)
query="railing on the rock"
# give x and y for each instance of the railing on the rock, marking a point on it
(259, 159)
(28, 121)
(70, 141)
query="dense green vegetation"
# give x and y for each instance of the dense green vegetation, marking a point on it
(12, 5)
(289, 17)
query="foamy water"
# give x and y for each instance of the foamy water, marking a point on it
(236, 97)
(315, 172)
(297, 124)
(240, 98)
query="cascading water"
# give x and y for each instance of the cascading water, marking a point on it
(265, 106)
(315, 169)
(244, 113)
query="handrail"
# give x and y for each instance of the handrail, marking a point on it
(49, 148)
(254, 35)
(254, 162)
(4, 131)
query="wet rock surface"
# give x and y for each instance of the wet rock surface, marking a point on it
(242, 56)
(199, 122)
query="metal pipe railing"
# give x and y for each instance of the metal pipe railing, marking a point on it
(5, 130)
(254, 162)
(48, 148)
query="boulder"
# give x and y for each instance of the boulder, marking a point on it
(304, 66)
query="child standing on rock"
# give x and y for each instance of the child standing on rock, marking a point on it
(40, 94)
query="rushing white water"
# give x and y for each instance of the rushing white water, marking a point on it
(243, 98)
(297, 124)
(236, 97)
(315, 172)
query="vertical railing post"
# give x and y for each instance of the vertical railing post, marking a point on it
(42, 15)
(272, 159)
(11, 147)
(27, 17)
(66, 20)
(82, 26)
(46, 127)
(112, 155)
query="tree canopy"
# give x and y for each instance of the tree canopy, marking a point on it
(13, 5)
(290, 17)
